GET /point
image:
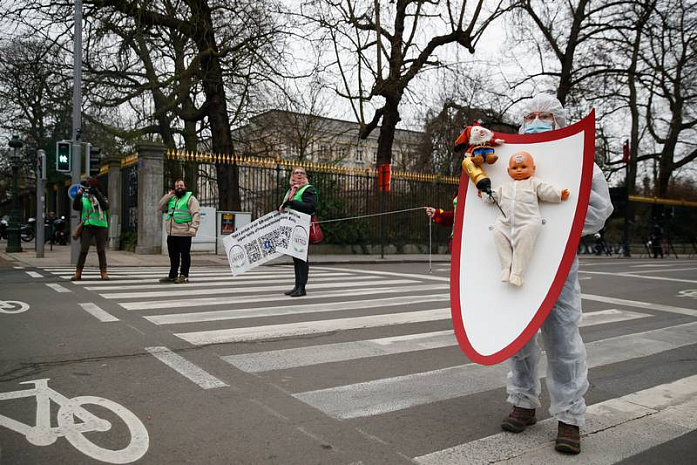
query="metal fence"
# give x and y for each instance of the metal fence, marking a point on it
(345, 194)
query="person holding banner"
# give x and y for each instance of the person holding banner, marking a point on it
(302, 196)
(183, 219)
(567, 368)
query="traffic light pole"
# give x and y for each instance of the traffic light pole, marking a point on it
(77, 123)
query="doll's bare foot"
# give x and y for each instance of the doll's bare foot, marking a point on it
(516, 280)
(491, 158)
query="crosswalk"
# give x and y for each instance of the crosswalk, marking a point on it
(387, 339)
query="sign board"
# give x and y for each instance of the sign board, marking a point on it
(72, 192)
(267, 238)
(227, 223)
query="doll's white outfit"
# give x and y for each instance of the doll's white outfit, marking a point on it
(515, 232)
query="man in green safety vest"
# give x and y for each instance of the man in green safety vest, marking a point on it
(181, 223)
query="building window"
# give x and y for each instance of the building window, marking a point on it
(375, 156)
(359, 154)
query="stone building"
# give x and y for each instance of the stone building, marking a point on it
(297, 136)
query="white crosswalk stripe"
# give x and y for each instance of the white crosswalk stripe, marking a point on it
(313, 355)
(369, 318)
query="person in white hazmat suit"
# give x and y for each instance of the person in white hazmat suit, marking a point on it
(515, 232)
(567, 369)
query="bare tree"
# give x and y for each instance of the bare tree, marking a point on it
(380, 48)
(670, 55)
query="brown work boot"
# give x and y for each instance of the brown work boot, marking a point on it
(105, 276)
(519, 419)
(568, 439)
(78, 275)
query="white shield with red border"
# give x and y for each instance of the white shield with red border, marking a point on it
(492, 319)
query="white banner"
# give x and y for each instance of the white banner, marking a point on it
(267, 238)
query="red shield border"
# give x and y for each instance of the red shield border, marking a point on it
(587, 126)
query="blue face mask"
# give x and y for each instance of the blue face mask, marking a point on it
(538, 126)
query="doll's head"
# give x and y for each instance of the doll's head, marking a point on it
(521, 166)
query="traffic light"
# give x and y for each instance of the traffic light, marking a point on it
(64, 156)
(95, 158)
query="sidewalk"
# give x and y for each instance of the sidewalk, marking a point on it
(60, 256)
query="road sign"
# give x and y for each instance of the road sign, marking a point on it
(63, 156)
(72, 192)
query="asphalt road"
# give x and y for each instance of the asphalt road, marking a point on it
(363, 370)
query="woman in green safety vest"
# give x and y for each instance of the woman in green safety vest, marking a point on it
(94, 216)
(302, 196)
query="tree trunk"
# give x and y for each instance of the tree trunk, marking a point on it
(212, 83)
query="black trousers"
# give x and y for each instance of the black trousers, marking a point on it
(302, 269)
(99, 236)
(179, 248)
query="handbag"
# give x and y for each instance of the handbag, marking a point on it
(77, 232)
(316, 234)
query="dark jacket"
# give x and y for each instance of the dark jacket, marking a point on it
(308, 204)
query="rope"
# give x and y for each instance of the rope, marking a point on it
(371, 215)
(430, 249)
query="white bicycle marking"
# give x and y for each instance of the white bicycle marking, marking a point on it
(13, 306)
(43, 434)
(688, 293)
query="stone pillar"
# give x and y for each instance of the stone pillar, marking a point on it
(114, 195)
(151, 163)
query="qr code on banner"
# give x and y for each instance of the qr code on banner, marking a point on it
(253, 252)
(274, 239)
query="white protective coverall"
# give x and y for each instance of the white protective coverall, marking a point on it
(567, 369)
(515, 233)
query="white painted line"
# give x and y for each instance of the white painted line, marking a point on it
(34, 274)
(638, 276)
(207, 301)
(210, 284)
(327, 353)
(179, 291)
(97, 312)
(615, 430)
(637, 304)
(218, 282)
(18, 267)
(401, 392)
(385, 273)
(185, 368)
(256, 312)
(58, 287)
(665, 270)
(258, 333)
(154, 283)
(651, 265)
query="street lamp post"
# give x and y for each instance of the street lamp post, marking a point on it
(13, 231)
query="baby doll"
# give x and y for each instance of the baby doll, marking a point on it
(479, 144)
(516, 232)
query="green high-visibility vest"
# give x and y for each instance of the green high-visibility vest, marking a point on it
(179, 209)
(299, 193)
(90, 216)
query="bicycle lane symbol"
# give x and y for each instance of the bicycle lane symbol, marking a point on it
(43, 434)
(13, 306)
